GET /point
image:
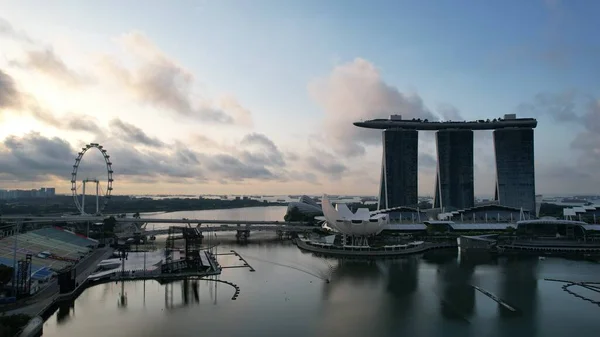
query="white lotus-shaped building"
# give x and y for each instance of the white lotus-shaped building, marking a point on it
(360, 223)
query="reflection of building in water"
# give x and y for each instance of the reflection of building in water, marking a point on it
(353, 272)
(518, 287)
(402, 283)
(402, 297)
(457, 296)
(65, 311)
(384, 289)
(189, 293)
(455, 278)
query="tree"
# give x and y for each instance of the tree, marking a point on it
(294, 214)
(10, 325)
(109, 224)
(136, 215)
(6, 274)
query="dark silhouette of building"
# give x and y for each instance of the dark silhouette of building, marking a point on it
(399, 180)
(454, 187)
(515, 169)
(513, 144)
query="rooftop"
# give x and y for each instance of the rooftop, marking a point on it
(396, 122)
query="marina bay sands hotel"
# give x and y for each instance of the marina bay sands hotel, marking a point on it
(454, 188)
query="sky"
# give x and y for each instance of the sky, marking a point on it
(258, 97)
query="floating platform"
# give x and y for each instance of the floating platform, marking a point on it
(365, 251)
(548, 248)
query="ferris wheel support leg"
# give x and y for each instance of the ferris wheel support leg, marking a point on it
(97, 198)
(83, 200)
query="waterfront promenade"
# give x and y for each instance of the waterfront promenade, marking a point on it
(42, 300)
(340, 251)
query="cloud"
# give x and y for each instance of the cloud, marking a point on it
(7, 30)
(291, 156)
(325, 163)
(133, 134)
(449, 113)
(75, 122)
(34, 157)
(160, 81)
(427, 160)
(560, 106)
(48, 62)
(588, 140)
(261, 150)
(356, 91)
(10, 97)
(580, 113)
(234, 169)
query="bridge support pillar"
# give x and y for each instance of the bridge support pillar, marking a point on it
(242, 234)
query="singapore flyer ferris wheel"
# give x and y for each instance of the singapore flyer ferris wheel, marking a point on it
(109, 172)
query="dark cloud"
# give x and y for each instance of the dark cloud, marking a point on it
(82, 123)
(356, 91)
(46, 61)
(260, 150)
(35, 158)
(187, 156)
(133, 134)
(325, 163)
(10, 97)
(160, 81)
(131, 161)
(232, 168)
(69, 122)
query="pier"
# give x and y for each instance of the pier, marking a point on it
(496, 299)
(245, 265)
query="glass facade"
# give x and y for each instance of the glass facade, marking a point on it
(454, 180)
(399, 176)
(515, 169)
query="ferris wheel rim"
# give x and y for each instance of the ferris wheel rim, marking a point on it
(109, 179)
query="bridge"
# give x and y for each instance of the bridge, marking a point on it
(95, 218)
(228, 228)
(203, 225)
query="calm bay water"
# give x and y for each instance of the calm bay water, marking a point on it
(426, 295)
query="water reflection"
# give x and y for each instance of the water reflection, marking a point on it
(65, 311)
(428, 295)
(518, 287)
(457, 295)
(122, 296)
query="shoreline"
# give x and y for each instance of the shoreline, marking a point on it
(338, 252)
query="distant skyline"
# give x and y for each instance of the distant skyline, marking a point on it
(239, 97)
